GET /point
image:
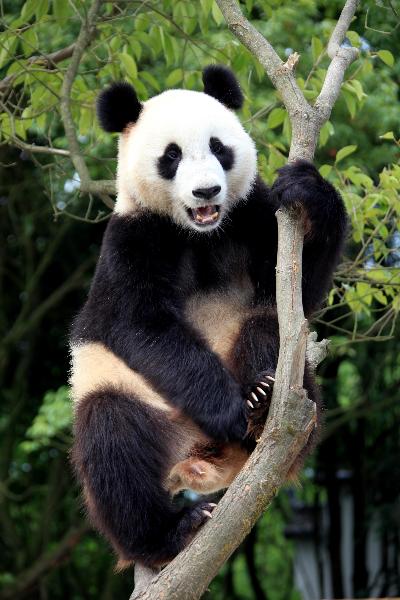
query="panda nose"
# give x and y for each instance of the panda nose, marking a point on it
(207, 193)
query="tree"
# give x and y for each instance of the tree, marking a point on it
(34, 83)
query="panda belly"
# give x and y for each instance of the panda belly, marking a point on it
(219, 316)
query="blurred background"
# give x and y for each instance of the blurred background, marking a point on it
(338, 534)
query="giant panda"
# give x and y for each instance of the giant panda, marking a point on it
(175, 350)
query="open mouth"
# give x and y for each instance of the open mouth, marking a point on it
(205, 215)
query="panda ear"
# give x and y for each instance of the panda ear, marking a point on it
(117, 106)
(221, 84)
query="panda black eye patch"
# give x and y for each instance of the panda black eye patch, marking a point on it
(168, 163)
(223, 153)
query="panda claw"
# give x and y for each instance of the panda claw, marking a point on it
(262, 391)
(264, 384)
(250, 404)
(212, 504)
(207, 513)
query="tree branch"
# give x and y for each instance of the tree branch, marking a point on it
(37, 149)
(292, 415)
(281, 74)
(341, 57)
(86, 34)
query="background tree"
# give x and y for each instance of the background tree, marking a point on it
(50, 235)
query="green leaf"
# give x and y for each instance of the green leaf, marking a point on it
(350, 102)
(53, 418)
(332, 294)
(316, 48)
(166, 43)
(129, 65)
(16, 67)
(276, 159)
(358, 178)
(85, 121)
(326, 131)
(217, 14)
(354, 38)
(20, 128)
(364, 291)
(136, 48)
(174, 77)
(206, 6)
(276, 118)
(28, 10)
(389, 135)
(7, 49)
(380, 296)
(42, 6)
(61, 11)
(352, 299)
(325, 170)
(141, 22)
(30, 42)
(140, 89)
(147, 76)
(387, 57)
(346, 151)
(355, 88)
(382, 275)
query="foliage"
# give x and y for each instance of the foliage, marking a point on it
(50, 236)
(52, 421)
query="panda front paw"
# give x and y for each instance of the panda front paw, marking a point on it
(258, 401)
(299, 184)
(228, 424)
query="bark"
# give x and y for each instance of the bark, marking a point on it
(292, 414)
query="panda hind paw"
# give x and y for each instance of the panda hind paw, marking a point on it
(196, 516)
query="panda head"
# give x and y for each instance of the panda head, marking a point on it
(182, 153)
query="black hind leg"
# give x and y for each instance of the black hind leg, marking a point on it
(121, 454)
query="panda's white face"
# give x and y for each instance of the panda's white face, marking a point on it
(187, 156)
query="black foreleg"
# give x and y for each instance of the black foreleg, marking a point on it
(122, 454)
